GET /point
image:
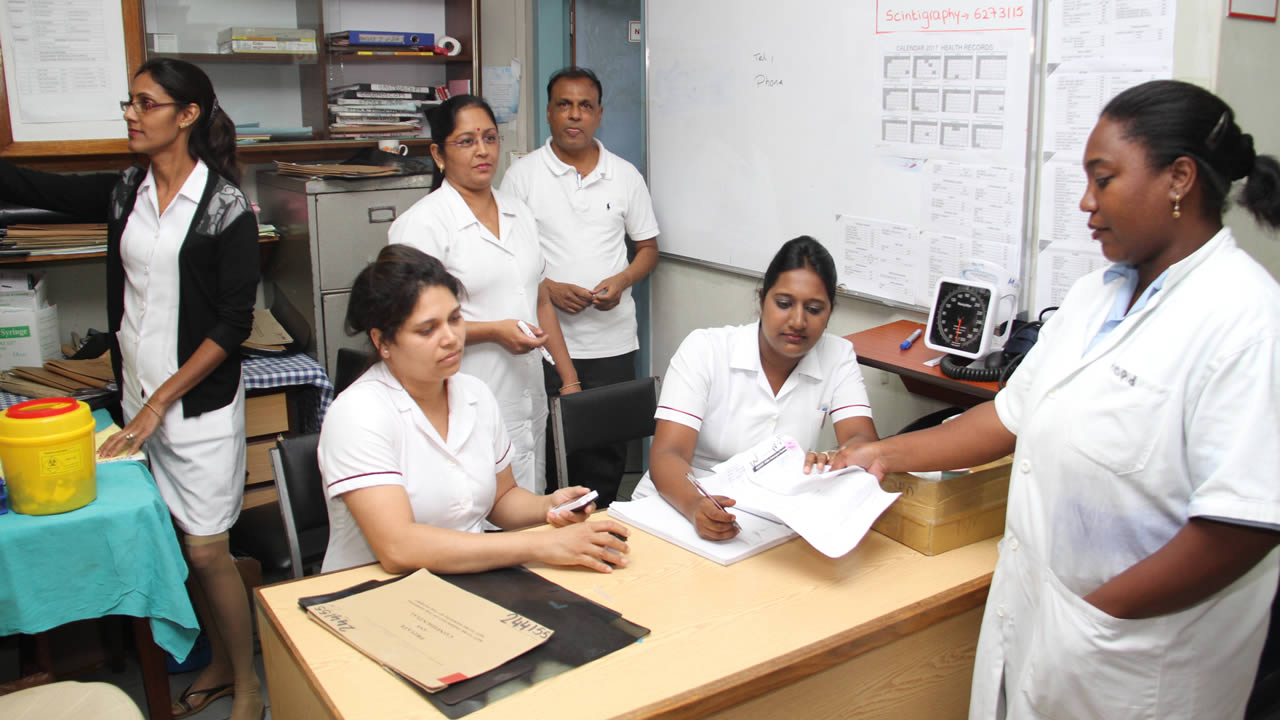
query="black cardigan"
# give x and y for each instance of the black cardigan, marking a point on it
(217, 265)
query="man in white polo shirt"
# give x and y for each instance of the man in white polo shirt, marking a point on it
(588, 202)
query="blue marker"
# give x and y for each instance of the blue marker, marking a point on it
(906, 344)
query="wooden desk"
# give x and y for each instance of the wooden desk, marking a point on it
(883, 632)
(878, 348)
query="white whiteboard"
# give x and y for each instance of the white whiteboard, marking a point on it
(767, 120)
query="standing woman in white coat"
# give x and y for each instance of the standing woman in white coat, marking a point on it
(1137, 570)
(182, 275)
(489, 241)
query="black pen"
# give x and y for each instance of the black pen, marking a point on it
(773, 456)
(698, 486)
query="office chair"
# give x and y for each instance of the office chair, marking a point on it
(351, 364)
(601, 416)
(302, 502)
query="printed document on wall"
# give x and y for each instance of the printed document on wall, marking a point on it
(64, 67)
(883, 259)
(961, 95)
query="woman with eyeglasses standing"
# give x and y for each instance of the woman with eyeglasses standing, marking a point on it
(182, 275)
(489, 241)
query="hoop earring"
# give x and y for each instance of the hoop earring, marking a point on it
(1177, 207)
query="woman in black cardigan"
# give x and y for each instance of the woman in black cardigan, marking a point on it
(182, 275)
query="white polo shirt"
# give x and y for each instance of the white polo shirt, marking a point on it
(500, 277)
(716, 385)
(375, 434)
(583, 223)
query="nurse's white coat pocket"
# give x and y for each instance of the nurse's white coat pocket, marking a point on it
(1117, 417)
(1087, 664)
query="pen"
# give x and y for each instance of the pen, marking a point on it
(524, 328)
(772, 456)
(698, 486)
(906, 344)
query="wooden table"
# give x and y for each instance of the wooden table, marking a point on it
(878, 347)
(883, 632)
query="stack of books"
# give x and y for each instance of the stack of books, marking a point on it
(382, 42)
(374, 110)
(269, 41)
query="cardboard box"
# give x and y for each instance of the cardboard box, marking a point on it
(28, 337)
(934, 516)
(23, 290)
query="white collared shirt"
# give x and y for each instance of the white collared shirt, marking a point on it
(715, 385)
(499, 275)
(149, 249)
(583, 223)
(375, 434)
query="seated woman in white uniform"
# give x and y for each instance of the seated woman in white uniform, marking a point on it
(489, 241)
(414, 454)
(732, 387)
(1137, 569)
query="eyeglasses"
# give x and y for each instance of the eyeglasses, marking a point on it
(469, 141)
(143, 106)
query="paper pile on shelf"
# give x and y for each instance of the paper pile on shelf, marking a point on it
(374, 110)
(334, 170)
(54, 239)
(267, 41)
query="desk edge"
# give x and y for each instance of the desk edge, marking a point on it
(822, 655)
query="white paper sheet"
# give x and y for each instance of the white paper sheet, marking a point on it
(831, 510)
(64, 66)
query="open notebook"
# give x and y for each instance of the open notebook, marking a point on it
(655, 516)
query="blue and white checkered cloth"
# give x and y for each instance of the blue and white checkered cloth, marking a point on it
(261, 373)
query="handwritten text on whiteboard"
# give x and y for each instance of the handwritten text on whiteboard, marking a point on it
(894, 16)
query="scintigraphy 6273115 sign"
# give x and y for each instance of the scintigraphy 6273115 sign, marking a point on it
(894, 16)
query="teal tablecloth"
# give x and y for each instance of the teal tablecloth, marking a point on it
(118, 555)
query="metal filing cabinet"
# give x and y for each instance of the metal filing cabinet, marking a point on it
(330, 229)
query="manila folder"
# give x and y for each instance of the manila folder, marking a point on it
(430, 631)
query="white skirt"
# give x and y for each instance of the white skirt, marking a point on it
(198, 463)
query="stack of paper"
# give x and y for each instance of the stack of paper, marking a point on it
(339, 171)
(831, 510)
(55, 239)
(267, 337)
(655, 516)
(80, 379)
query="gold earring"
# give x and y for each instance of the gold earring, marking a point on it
(1177, 207)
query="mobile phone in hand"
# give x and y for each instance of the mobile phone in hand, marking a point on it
(577, 504)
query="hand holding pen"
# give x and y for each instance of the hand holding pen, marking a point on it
(711, 520)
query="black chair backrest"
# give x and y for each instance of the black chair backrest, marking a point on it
(301, 490)
(603, 416)
(351, 364)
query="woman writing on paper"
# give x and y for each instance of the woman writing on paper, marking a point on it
(730, 388)
(489, 241)
(415, 455)
(182, 274)
(1137, 569)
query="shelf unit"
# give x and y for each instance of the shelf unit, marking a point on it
(461, 21)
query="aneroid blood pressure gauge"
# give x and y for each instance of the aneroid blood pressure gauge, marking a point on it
(963, 320)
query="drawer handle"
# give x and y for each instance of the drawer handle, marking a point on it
(382, 214)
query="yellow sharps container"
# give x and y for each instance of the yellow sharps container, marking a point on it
(46, 447)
